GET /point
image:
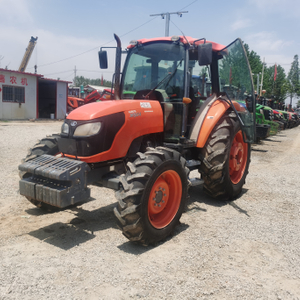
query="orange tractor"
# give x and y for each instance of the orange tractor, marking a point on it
(144, 143)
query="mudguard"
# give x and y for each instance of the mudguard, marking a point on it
(207, 117)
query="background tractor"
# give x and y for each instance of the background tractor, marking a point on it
(144, 143)
(265, 115)
(95, 95)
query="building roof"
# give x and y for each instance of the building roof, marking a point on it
(26, 73)
(33, 74)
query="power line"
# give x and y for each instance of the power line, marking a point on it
(137, 27)
(58, 73)
(67, 58)
(167, 15)
(188, 5)
(95, 71)
(177, 27)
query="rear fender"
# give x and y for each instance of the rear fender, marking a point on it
(209, 117)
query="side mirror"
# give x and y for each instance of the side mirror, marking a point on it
(205, 54)
(103, 59)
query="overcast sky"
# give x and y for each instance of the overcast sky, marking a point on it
(71, 32)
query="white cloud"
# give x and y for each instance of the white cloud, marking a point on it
(53, 53)
(241, 24)
(15, 11)
(288, 8)
(270, 47)
(266, 41)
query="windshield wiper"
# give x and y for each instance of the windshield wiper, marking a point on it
(168, 75)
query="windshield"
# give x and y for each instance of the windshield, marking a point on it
(235, 75)
(236, 81)
(156, 65)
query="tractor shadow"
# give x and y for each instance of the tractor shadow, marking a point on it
(84, 223)
(198, 196)
(78, 230)
(258, 150)
(137, 249)
(271, 140)
(82, 227)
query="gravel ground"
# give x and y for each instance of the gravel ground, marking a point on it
(246, 249)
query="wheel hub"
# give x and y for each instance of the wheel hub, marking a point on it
(160, 195)
(236, 156)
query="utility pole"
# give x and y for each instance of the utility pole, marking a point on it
(262, 78)
(74, 76)
(167, 15)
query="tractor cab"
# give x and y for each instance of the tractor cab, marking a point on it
(182, 73)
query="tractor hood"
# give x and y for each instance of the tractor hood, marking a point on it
(121, 122)
(100, 109)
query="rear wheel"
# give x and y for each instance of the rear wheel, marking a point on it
(225, 159)
(153, 196)
(47, 145)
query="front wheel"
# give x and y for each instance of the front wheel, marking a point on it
(225, 159)
(153, 196)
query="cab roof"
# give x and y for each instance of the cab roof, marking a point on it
(183, 39)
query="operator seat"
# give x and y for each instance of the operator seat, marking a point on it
(154, 95)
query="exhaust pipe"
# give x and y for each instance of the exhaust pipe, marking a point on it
(117, 67)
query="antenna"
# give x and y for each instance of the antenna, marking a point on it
(167, 15)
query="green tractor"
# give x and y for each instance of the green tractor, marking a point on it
(265, 115)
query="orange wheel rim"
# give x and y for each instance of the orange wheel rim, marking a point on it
(164, 199)
(238, 158)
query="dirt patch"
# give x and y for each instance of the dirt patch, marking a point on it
(246, 249)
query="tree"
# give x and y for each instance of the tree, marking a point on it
(255, 63)
(293, 85)
(80, 80)
(275, 89)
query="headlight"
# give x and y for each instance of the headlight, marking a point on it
(65, 128)
(87, 129)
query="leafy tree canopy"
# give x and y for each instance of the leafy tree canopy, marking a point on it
(276, 89)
